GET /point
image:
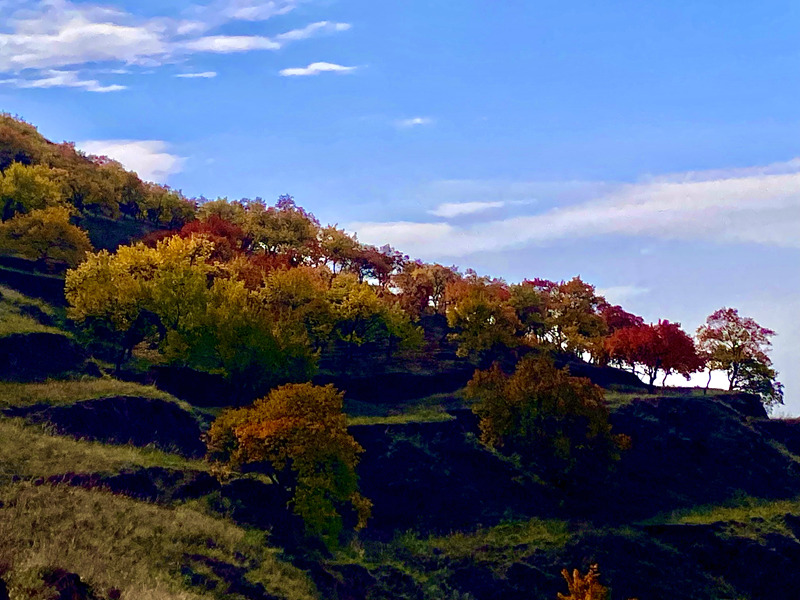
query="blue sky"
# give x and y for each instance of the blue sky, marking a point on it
(651, 147)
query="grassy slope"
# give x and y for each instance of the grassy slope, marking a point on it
(29, 452)
(14, 320)
(60, 392)
(140, 548)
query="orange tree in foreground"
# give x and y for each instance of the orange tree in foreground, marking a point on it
(300, 433)
(584, 587)
(556, 423)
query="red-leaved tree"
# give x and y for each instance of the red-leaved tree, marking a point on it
(664, 347)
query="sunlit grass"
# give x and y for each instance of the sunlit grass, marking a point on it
(501, 545)
(139, 548)
(28, 452)
(57, 392)
(14, 320)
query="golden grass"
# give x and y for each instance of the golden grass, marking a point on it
(29, 452)
(139, 548)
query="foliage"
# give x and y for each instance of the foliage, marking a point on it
(300, 432)
(46, 236)
(554, 422)
(484, 324)
(740, 347)
(584, 587)
(664, 347)
(24, 188)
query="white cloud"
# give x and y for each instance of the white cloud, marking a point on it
(37, 36)
(457, 209)
(225, 44)
(414, 122)
(315, 69)
(150, 159)
(71, 79)
(253, 10)
(203, 75)
(312, 30)
(760, 205)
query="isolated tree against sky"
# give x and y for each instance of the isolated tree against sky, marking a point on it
(740, 347)
(300, 433)
(663, 347)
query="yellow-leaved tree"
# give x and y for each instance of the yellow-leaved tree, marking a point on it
(300, 432)
(46, 236)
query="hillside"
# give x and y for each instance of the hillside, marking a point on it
(212, 412)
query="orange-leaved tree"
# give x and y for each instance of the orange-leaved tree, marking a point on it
(300, 433)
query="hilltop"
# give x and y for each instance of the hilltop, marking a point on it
(497, 433)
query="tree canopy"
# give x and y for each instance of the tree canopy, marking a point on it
(300, 434)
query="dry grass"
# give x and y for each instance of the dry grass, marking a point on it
(27, 451)
(59, 392)
(139, 548)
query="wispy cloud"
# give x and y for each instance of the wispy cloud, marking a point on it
(311, 30)
(41, 36)
(203, 75)
(414, 122)
(316, 69)
(71, 79)
(759, 205)
(457, 209)
(150, 159)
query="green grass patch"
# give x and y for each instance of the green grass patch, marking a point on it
(499, 546)
(18, 314)
(743, 517)
(61, 392)
(142, 549)
(429, 409)
(618, 398)
(422, 415)
(29, 452)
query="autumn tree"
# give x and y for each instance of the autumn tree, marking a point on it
(283, 229)
(46, 236)
(337, 247)
(175, 298)
(663, 348)
(556, 423)
(571, 314)
(24, 188)
(484, 324)
(362, 320)
(299, 433)
(740, 347)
